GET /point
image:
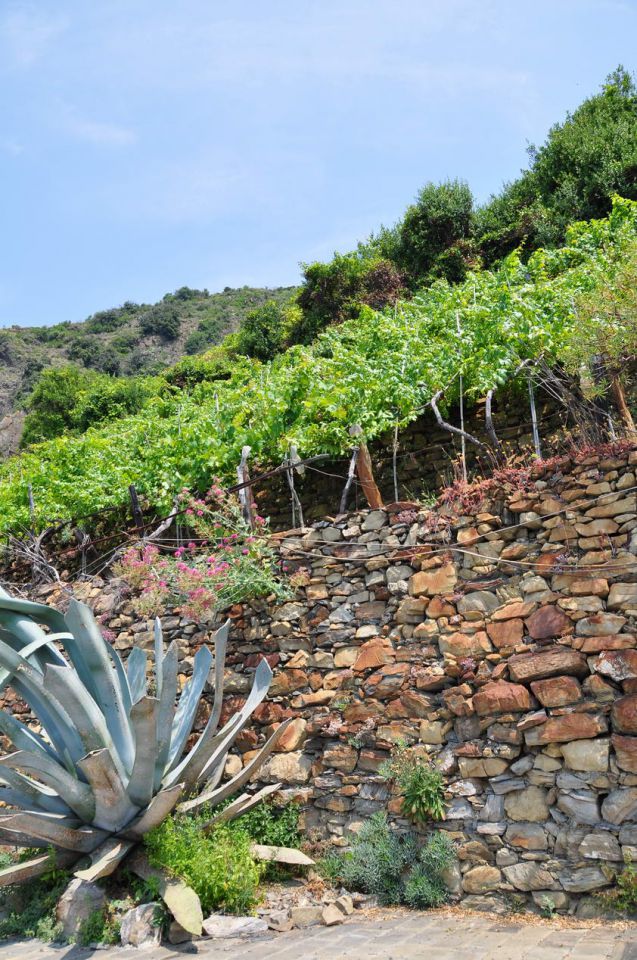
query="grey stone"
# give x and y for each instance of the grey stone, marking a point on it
(582, 879)
(139, 927)
(528, 876)
(600, 846)
(528, 804)
(479, 602)
(220, 927)
(280, 920)
(80, 899)
(582, 806)
(620, 805)
(306, 916)
(587, 755)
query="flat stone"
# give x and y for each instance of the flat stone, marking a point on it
(528, 836)
(547, 663)
(581, 879)
(280, 921)
(331, 915)
(548, 622)
(623, 714)
(582, 806)
(501, 697)
(600, 846)
(306, 916)
(623, 596)
(590, 756)
(618, 665)
(528, 876)
(481, 879)
(620, 805)
(220, 927)
(557, 691)
(286, 767)
(432, 731)
(506, 633)
(462, 645)
(479, 602)
(625, 752)
(374, 653)
(529, 804)
(599, 624)
(571, 726)
(439, 580)
(481, 766)
(80, 899)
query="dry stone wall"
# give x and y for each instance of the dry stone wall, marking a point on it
(502, 644)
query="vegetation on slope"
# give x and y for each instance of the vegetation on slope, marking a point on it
(379, 370)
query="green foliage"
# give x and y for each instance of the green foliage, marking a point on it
(29, 910)
(623, 898)
(217, 865)
(421, 785)
(391, 866)
(51, 405)
(379, 370)
(272, 825)
(435, 234)
(261, 333)
(161, 320)
(102, 926)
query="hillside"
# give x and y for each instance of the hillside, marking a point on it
(127, 340)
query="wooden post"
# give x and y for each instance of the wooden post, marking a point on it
(138, 516)
(290, 462)
(365, 471)
(351, 470)
(394, 464)
(245, 493)
(536, 433)
(463, 443)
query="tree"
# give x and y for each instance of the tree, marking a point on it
(435, 236)
(50, 408)
(261, 333)
(162, 320)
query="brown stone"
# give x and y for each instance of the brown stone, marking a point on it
(286, 681)
(440, 608)
(513, 610)
(547, 663)
(623, 714)
(614, 641)
(479, 767)
(625, 752)
(440, 580)
(585, 588)
(600, 624)
(614, 509)
(387, 681)
(341, 757)
(294, 736)
(501, 697)
(374, 653)
(506, 633)
(465, 645)
(412, 610)
(617, 664)
(548, 622)
(571, 726)
(557, 691)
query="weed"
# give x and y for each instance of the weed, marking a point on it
(421, 786)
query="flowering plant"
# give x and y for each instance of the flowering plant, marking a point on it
(225, 562)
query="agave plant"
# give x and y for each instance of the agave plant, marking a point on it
(113, 757)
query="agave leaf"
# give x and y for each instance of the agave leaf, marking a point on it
(37, 794)
(105, 859)
(113, 807)
(89, 720)
(159, 656)
(56, 831)
(221, 644)
(27, 683)
(136, 668)
(30, 650)
(181, 900)
(14, 838)
(14, 798)
(178, 774)
(18, 872)
(37, 612)
(156, 811)
(24, 738)
(102, 681)
(215, 797)
(204, 752)
(241, 805)
(166, 712)
(144, 722)
(77, 795)
(188, 704)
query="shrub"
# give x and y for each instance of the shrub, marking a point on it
(261, 333)
(50, 407)
(421, 786)
(29, 910)
(161, 320)
(387, 863)
(217, 865)
(272, 825)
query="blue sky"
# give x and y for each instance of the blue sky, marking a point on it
(147, 144)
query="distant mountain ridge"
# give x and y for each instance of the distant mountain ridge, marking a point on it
(126, 340)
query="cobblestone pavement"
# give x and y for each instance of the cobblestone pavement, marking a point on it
(392, 935)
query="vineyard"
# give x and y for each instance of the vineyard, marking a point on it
(558, 310)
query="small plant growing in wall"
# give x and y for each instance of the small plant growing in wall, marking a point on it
(419, 783)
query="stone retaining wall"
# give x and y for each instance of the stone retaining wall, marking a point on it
(503, 644)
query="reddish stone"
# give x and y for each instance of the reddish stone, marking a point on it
(617, 664)
(586, 588)
(501, 697)
(268, 712)
(371, 610)
(458, 700)
(625, 752)
(287, 681)
(623, 714)
(374, 653)
(440, 608)
(363, 710)
(506, 633)
(465, 645)
(557, 691)
(386, 682)
(630, 686)
(410, 704)
(246, 740)
(513, 610)
(547, 623)
(439, 580)
(547, 663)
(614, 641)
(254, 659)
(571, 726)
(432, 679)
(341, 757)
